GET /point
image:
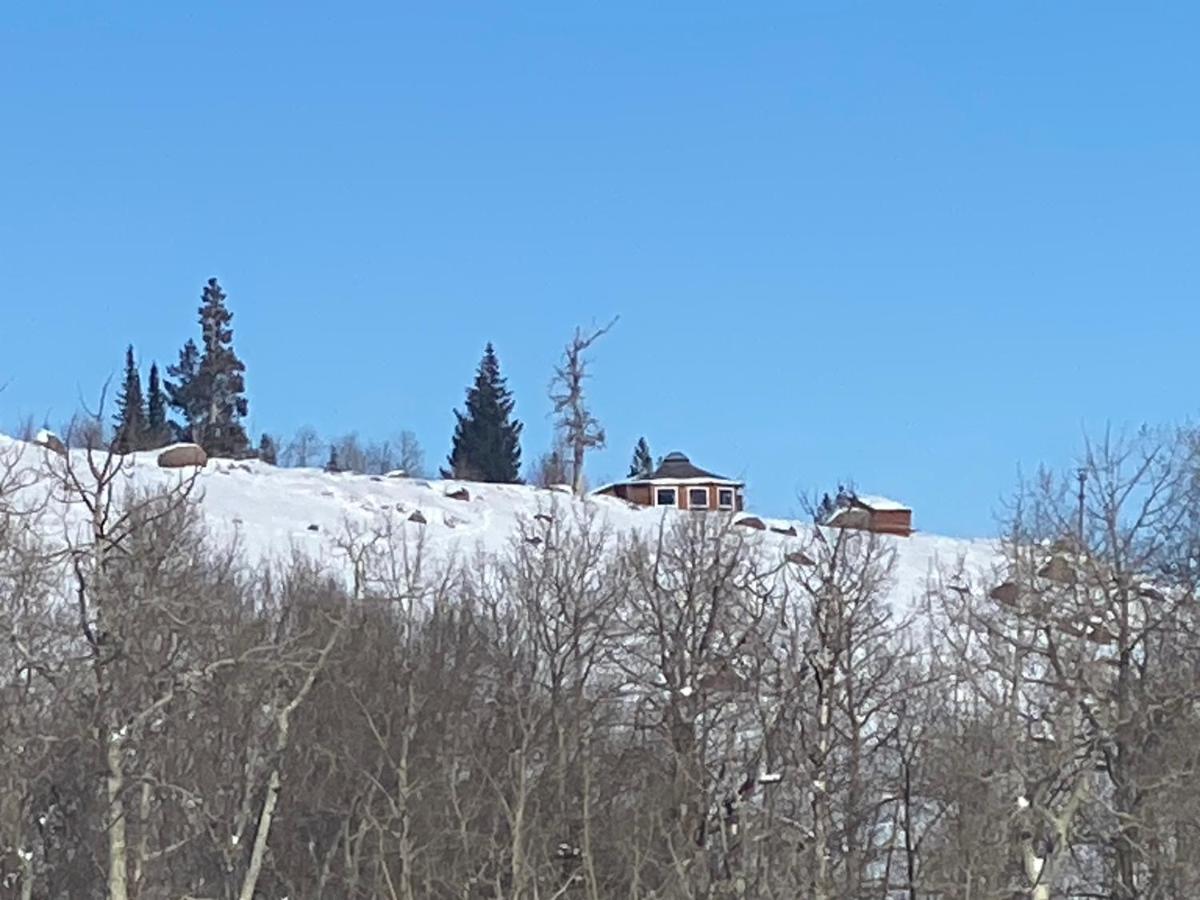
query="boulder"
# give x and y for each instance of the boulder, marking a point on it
(181, 456)
(418, 517)
(787, 530)
(51, 441)
(459, 494)
(1007, 593)
(752, 522)
(1059, 570)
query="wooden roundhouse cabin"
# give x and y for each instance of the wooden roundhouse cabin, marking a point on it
(679, 484)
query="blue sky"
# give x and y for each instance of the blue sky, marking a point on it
(916, 245)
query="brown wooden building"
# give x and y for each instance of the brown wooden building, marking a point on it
(679, 484)
(871, 513)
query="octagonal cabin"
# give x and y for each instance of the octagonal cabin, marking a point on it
(676, 483)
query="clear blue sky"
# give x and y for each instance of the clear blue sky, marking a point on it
(913, 244)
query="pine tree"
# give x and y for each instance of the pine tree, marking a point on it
(129, 423)
(487, 440)
(158, 429)
(184, 391)
(267, 451)
(210, 388)
(643, 462)
(333, 465)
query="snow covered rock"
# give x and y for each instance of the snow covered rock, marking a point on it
(51, 441)
(800, 558)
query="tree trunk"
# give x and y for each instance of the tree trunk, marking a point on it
(114, 785)
(577, 468)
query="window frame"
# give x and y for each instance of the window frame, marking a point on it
(707, 496)
(732, 504)
(674, 504)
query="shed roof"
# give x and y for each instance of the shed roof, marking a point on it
(880, 504)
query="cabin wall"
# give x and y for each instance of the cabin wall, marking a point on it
(891, 521)
(886, 521)
(639, 494)
(643, 494)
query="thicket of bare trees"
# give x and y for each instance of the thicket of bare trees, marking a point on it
(596, 715)
(308, 449)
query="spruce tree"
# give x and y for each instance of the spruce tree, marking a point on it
(184, 391)
(643, 462)
(487, 440)
(129, 423)
(158, 429)
(210, 385)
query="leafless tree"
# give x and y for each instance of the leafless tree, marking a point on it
(1075, 663)
(549, 469)
(579, 428)
(305, 449)
(697, 711)
(411, 455)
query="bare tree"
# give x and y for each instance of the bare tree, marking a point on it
(1075, 662)
(579, 428)
(549, 469)
(412, 457)
(305, 449)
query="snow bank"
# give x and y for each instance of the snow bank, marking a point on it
(271, 513)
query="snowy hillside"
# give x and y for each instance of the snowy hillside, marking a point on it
(274, 512)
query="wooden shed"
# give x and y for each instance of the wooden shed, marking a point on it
(870, 512)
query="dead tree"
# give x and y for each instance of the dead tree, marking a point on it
(579, 428)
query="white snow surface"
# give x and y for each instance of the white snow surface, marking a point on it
(882, 504)
(270, 512)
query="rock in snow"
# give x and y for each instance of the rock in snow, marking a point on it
(51, 441)
(180, 456)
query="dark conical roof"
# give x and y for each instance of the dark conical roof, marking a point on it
(677, 465)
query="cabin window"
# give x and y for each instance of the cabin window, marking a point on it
(664, 497)
(725, 498)
(698, 498)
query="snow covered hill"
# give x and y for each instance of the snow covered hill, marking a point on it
(274, 512)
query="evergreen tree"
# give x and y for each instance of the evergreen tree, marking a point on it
(129, 423)
(210, 388)
(643, 462)
(825, 510)
(487, 440)
(333, 465)
(158, 429)
(184, 391)
(267, 450)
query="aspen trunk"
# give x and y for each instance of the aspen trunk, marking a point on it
(114, 784)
